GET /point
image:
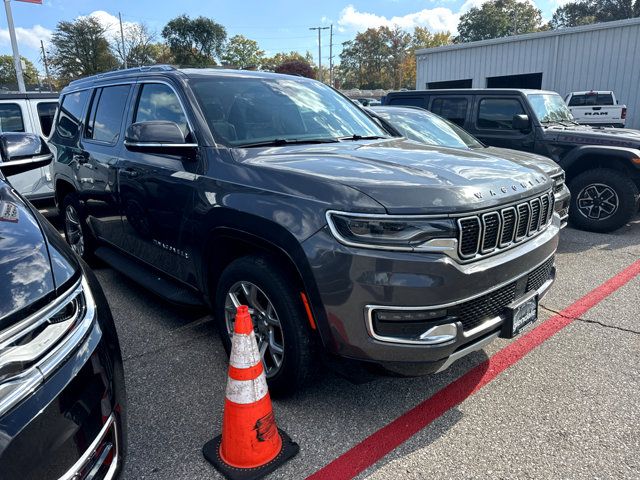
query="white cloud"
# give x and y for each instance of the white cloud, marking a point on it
(437, 19)
(29, 37)
(110, 22)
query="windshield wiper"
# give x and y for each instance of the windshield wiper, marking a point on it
(278, 142)
(355, 136)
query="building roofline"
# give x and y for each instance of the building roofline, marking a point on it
(535, 35)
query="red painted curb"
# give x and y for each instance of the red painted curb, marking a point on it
(380, 443)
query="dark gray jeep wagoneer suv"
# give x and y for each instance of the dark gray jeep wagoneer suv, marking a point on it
(223, 187)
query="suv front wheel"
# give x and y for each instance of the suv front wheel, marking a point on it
(278, 315)
(602, 200)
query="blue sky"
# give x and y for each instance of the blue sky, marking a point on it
(277, 25)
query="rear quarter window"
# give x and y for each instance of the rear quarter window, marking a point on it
(411, 101)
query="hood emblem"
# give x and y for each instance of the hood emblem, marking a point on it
(477, 194)
(503, 189)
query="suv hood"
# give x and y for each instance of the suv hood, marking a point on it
(527, 159)
(33, 262)
(616, 137)
(406, 176)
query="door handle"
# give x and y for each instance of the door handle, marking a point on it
(81, 158)
(130, 172)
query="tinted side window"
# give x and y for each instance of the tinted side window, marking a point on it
(46, 112)
(158, 101)
(107, 109)
(412, 101)
(71, 109)
(11, 118)
(497, 113)
(453, 109)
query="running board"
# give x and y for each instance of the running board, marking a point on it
(164, 287)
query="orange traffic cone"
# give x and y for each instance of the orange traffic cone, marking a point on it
(251, 445)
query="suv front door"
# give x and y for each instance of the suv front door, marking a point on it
(156, 188)
(492, 123)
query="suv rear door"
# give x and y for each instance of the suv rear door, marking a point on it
(492, 120)
(99, 148)
(157, 187)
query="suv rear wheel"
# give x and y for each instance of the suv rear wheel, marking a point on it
(602, 200)
(278, 315)
(76, 232)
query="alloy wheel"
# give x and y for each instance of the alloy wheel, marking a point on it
(597, 201)
(73, 230)
(266, 324)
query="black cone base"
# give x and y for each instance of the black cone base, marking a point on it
(211, 452)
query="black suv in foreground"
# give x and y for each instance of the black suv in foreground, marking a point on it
(602, 165)
(62, 392)
(234, 187)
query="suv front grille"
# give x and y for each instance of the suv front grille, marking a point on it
(477, 311)
(481, 234)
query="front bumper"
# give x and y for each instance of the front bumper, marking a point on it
(354, 282)
(70, 426)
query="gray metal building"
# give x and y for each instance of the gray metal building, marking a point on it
(602, 56)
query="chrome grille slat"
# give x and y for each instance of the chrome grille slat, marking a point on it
(482, 234)
(490, 231)
(534, 222)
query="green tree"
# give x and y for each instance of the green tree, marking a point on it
(585, 12)
(296, 67)
(138, 46)
(194, 42)
(421, 38)
(374, 59)
(242, 52)
(271, 63)
(499, 18)
(161, 53)
(8, 78)
(80, 48)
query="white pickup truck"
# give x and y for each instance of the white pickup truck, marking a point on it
(31, 112)
(598, 108)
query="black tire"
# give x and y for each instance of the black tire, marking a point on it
(71, 204)
(600, 184)
(298, 360)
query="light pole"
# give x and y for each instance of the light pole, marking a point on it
(14, 47)
(319, 49)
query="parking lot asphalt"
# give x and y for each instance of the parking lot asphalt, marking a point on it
(569, 409)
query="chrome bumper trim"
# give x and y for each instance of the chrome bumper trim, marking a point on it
(74, 472)
(467, 350)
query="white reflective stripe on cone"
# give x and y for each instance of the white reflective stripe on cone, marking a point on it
(246, 391)
(244, 350)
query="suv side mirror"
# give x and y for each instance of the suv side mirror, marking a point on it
(520, 122)
(21, 152)
(158, 135)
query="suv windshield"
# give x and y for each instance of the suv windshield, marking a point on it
(426, 127)
(253, 111)
(550, 108)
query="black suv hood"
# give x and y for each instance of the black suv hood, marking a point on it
(579, 134)
(408, 177)
(34, 260)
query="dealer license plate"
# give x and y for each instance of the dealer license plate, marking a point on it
(520, 316)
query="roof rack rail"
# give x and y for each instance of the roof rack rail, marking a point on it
(125, 71)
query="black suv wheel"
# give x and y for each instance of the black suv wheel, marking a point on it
(602, 200)
(76, 232)
(280, 323)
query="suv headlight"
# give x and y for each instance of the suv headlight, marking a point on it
(387, 231)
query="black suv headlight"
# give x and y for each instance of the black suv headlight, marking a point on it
(387, 231)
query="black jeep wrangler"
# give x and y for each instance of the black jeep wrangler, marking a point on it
(602, 164)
